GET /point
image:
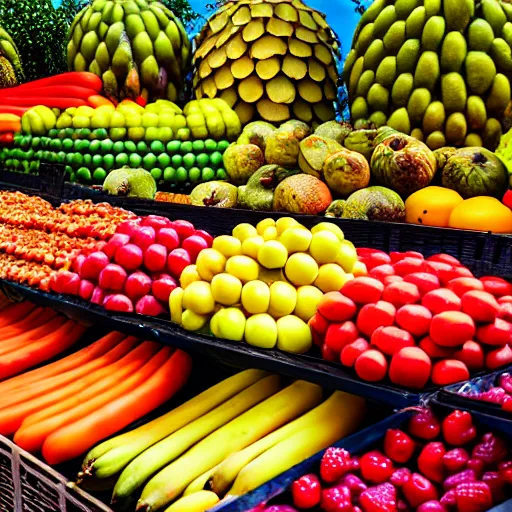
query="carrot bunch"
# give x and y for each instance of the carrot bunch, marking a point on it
(31, 335)
(65, 408)
(73, 89)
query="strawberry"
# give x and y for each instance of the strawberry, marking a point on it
(335, 463)
(490, 450)
(496, 485)
(337, 499)
(381, 498)
(493, 396)
(506, 382)
(473, 497)
(505, 470)
(398, 446)
(430, 461)
(424, 425)
(455, 460)
(432, 506)
(477, 465)
(400, 477)
(448, 498)
(376, 467)
(418, 490)
(354, 483)
(453, 481)
(306, 491)
(458, 428)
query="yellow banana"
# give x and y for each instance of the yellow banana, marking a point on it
(301, 445)
(170, 448)
(176, 305)
(246, 429)
(197, 502)
(47, 116)
(227, 471)
(233, 124)
(200, 482)
(112, 456)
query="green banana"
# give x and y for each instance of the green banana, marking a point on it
(89, 45)
(122, 61)
(102, 57)
(134, 25)
(106, 13)
(85, 19)
(151, 24)
(173, 33)
(94, 21)
(114, 36)
(163, 20)
(149, 71)
(117, 13)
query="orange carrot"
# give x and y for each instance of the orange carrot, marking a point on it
(36, 427)
(10, 126)
(25, 338)
(99, 101)
(15, 313)
(35, 319)
(42, 387)
(40, 351)
(12, 417)
(76, 360)
(76, 438)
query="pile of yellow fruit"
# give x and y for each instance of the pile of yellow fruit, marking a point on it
(264, 283)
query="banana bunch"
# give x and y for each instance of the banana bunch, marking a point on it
(39, 120)
(213, 117)
(235, 436)
(136, 47)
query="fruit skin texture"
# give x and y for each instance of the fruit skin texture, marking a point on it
(302, 193)
(431, 206)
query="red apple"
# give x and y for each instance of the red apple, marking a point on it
(112, 277)
(409, 266)
(449, 372)
(177, 260)
(497, 333)
(86, 289)
(425, 281)
(339, 335)
(400, 294)
(363, 290)
(163, 287)
(117, 240)
(414, 318)
(143, 237)
(382, 271)
(452, 328)
(184, 228)
(497, 286)
(433, 350)
(371, 366)
(93, 265)
(168, 238)
(480, 306)
(155, 257)
(438, 301)
(157, 222)
(372, 316)
(336, 307)
(129, 256)
(137, 285)
(472, 355)
(410, 367)
(391, 340)
(194, 245)
(499, 357)
(352, 351)
(461, 285)
(204, 234)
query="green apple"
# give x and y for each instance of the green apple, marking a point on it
(261, 331)
(256, 297)
(293, 335)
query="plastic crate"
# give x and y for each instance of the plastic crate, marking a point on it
(356, 443)
(27, 484)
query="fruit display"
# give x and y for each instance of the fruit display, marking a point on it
(11, 70)
(263, 284)
(79, 400)
(496, 390)
(226, 435)
(33, 335)
(272, 61)
(432, 464)
(137, 48)
(439, 71)
(415, 321)
(137, 268)
(37, 239)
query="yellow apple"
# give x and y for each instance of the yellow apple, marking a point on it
(256, 297)
(347, 256)
(308, 298)
(227, 245)
(209, 263)
(283, 299)
(329, 226)
(293, 335)
(228, 324)
(296, 239)
(301, 269)
(272, 254)
(198, 298)
(191, 321)
(264, 224)
(251, 246)
(324, 247)
(176, 305)
(261, 331)
(331, 277)
(270, 233)
(226, 289)
(243, 267)
(244, 230)
(189, 275)
(284, 223)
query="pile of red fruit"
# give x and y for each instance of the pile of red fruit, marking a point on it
(137, 268)
(416, 320)
(499, 395)
(461, 471)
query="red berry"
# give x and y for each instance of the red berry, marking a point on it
(398, 446)
(337, 499)
(432, 506)
(306, 491)
(491, 450)
(335, 463)
(424, 425)
(455, 460)
(496, 485)
(400, 476)
(354, 483)
(473, 497)
(418, 490)
(381, 498)
(430, 461)
(458, 428)
(376, 467)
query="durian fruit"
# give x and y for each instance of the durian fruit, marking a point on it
(439, 70)
(136, 47)
(11, 71)
(271, 60)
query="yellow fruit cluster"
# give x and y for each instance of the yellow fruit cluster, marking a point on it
(264, 283)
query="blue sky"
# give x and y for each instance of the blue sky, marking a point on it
(340, 15)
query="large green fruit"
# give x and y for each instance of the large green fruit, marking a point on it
(455, 53)
(136, 46)
(11, 72)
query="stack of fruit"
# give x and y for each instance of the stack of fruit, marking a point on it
(438, 72)
(415, 321)
(135, 47)
(499, 393)
(264, 283)
(64, 408)
(432, 465)
(239, 434)
(267, 60)
(137, 268)
(37, 239)
(11, 70)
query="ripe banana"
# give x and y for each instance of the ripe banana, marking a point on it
(200, 482)
(170, 448)
(254, 424)
(301, 445)
(197, 502)
(229, 468)
(110, 457)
